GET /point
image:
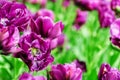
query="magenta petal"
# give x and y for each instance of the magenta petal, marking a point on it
(56, 30)
(34, 27)
(61, 39)
(54, 43)
(47, 24)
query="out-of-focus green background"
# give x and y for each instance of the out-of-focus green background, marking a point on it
(90, 44)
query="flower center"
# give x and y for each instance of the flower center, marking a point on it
(3, 21)
(34, 51)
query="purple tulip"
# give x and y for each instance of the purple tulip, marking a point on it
(106, 15)
(45, 27)
(65, 72)
(115, 5)
(81, 65)
(115, 33)
(14, 14)
(44, 12)
(88, 4)
(66, 3)
(35, 52)
(53, 0)
(27, 76)
(9, 38)
(108, 73)
(41, 2)
(80, 19)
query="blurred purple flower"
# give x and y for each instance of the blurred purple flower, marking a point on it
(80, 19)
(106, 15)
(9, 38)
(65, 72)
(44, 12)
(35, 52)
(115, 5)
(53, 0)
(45, 27)
(115, 32)
(41, 2)
(15, 14)
(66, 3)
(108, 73)
(81, 65)
(87, 4)
(27, 76)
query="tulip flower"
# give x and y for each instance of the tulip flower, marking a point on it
(88, 4)
(44, 13)
(81, 65)
(115, 33)
(14, 14)
(65, 72)
(45, 27)
(41, 2)
(80, 19)
(106, 15)
(35, 52)
(108, 73)
(66, 3)
(27, 76)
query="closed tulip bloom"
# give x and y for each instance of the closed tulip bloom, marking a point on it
(44, 13)
(115, 33)
(35, 52)
(108, 73)
(66, 3)
(27, 76)
(81, 18)
(45, 27)
(65, 72)
(14, 14)
(41, 2)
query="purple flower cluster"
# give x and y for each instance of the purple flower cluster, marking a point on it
(32, 37)
(29, 38)
(14, 17)
(108, 73)
(104, 8)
